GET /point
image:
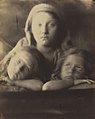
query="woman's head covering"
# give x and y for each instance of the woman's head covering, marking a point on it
(42, 8)
(36, 9)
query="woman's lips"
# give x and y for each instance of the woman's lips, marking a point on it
(44, 37)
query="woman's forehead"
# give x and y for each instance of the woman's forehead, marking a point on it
(42, 15)
(43, 8)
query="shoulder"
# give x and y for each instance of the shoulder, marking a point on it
(22, 42)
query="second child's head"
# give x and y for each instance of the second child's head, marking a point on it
(26, 64)
(75, 64)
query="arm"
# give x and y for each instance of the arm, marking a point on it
(58, 84)
(81, 81)
(32, 84)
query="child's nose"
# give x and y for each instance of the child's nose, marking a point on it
(71, 69)
(19, 68)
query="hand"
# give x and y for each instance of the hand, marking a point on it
(7, 80)
(3, 78)
(89, 81)
(81, 81)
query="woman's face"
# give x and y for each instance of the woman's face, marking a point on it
(44, 28)
(73, 67)
(19, 66)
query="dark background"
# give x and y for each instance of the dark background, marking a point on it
(77, 104)
(67, 104)
(78, 14)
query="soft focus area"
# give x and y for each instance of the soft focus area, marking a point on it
(78, 14)
(79, 17)
(78, 102)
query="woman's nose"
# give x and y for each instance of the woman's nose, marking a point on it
(44, 29)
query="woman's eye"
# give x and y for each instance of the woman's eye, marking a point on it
(52, 24)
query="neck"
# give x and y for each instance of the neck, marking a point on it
(45, 50)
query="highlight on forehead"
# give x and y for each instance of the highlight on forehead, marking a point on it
(75, 59)
(26, 57)
(38, 17)
(80, 52)
(30, 55)
(25, 54)
(44, 18)
(43, 7)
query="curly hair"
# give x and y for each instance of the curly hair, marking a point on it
(88, 64)
(37, 62)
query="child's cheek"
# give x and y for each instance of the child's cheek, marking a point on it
(64, 73)
(78, 75)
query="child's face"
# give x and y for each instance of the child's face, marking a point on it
(19, 66)
(73, 66)
(44, 28)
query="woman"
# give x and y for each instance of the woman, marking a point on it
(44, 30)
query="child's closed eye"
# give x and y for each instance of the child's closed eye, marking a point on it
(24, 68)
(67, 65)
(79, 68)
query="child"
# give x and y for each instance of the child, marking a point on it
(72, 69)
(45, 31)
(27, 69)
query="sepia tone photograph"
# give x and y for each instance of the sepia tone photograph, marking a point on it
(47, 59)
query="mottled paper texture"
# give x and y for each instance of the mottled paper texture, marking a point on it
(75, 103)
